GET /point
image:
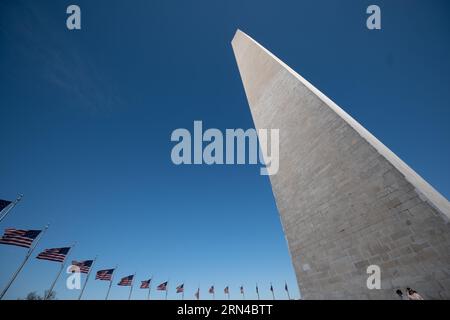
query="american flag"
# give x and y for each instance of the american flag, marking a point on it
(4, 204)
(83, 265)
(21, 238)
(271, 288)
(162, 286)
(180, 288)
(104, 274)
(145, 284)
(211, 290)
(126, 281)
(197, 294)
(54, 254)
(226, 290)
(242, 289)
(257, 290)
(286, 287)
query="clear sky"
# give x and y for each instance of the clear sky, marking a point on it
(86, 118)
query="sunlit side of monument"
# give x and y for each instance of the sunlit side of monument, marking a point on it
(345, 200)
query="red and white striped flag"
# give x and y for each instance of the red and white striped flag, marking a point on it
(104, 274)
(17, 237)
(180, 288)
(145, 284)
(83, 266)
(126, 281)
(54, 254)
(162, 286)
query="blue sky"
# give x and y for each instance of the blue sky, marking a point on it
(87, 117)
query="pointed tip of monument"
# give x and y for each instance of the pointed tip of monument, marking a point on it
(255, 59)
(238, 34)
(238, 31)
(240, 37)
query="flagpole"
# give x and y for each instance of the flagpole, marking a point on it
(59, 274)
(273, 294)
(87, 278)
(30, 251)
(182, 293)
(287, 290)
(54, 282)
(110, 283)
(11, 205)
(132, 284)
(257, 291)
(150, 287)
(198, 292)
(167, 288)
(109, 288)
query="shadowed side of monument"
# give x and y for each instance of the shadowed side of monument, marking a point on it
(345, 200)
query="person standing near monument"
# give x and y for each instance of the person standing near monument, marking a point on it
(413, 295)
(400, 294)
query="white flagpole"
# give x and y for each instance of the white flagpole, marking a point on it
(110, 283)
(132, 284)
(273, 294)
(287, 290)
(87, 278)
(8, 208)
(257, 290)
(59, 273)
(167, 288)
(241, 290)
(150, 287)
(198, 292)
(30, 251)
(182, 293)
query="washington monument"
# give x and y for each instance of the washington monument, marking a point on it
(345, 200)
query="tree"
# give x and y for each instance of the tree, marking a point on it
(34, 296)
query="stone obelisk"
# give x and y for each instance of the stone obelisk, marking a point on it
(346, 201)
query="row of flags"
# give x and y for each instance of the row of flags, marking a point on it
(30, 238)
(145, 284)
